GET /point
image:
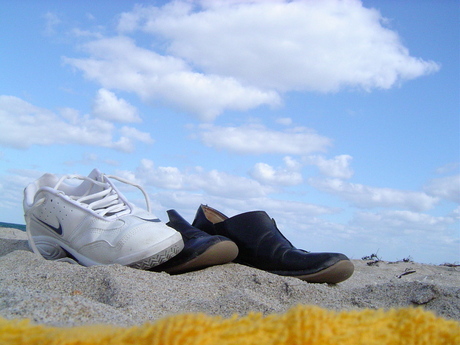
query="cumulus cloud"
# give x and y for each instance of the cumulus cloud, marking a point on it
(405, 222)
(134, 133)
(445, 187)
(289, 175)
(229, 193)
(107, 106)
(284, 45)
(118, 63)
(435, 238)
(296, 45)
(338, 167)
(368, 197)
(211, 182)
(210, 56)
(24, 125)
(216, 182)
(257, 139)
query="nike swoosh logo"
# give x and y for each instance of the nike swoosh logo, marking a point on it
(57, 230)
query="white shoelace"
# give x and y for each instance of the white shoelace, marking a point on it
(106, 202)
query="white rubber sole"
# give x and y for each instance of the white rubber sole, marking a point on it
(52, 249)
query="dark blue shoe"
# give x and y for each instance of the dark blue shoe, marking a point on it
(263, 246)
(200, 249)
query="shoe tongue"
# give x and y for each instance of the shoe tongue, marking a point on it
(98, 176)
(95, 174)
(87, 187)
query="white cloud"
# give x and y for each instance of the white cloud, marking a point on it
(211, 182)
(226, 192)
(161, 177)
(257, 139)
(107, 106)
(456, 213)
(24, 125)
(92, 159)
(285, 176)
(397, 221)
(295, 45)
(420, 235)
(51, 21)
(291, 163)
(286, 121)
(229, 193)
(448, 168)
(338, 167)
(118, 63)
(211, 56)
(445, 187)
(368, 197)
(133, 133)
(79, 33)
(216, 182)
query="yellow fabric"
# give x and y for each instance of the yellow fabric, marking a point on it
(300, 325)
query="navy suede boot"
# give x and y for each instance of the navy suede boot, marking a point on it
(263, 246)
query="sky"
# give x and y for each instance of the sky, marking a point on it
(340, 119)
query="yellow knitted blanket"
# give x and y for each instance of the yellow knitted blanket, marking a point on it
(299, 325)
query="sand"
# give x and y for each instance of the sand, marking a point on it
(62, 294)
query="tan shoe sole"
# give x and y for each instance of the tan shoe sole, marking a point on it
(334, 274)
(218, 254)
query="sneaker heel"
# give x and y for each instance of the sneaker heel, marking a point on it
(50, 251)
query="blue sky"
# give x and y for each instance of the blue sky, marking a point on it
(338, 118)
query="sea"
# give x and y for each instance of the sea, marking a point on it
(12, 225)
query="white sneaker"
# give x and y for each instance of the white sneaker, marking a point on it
(94, 224)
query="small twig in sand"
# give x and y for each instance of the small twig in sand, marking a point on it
(407, 271)
(408, 259)
(375, 259)
(371, 257)
(450, 265)
(373, 263)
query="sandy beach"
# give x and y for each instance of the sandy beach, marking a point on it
(62, 294)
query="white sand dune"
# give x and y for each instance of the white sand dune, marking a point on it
(62, 294)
